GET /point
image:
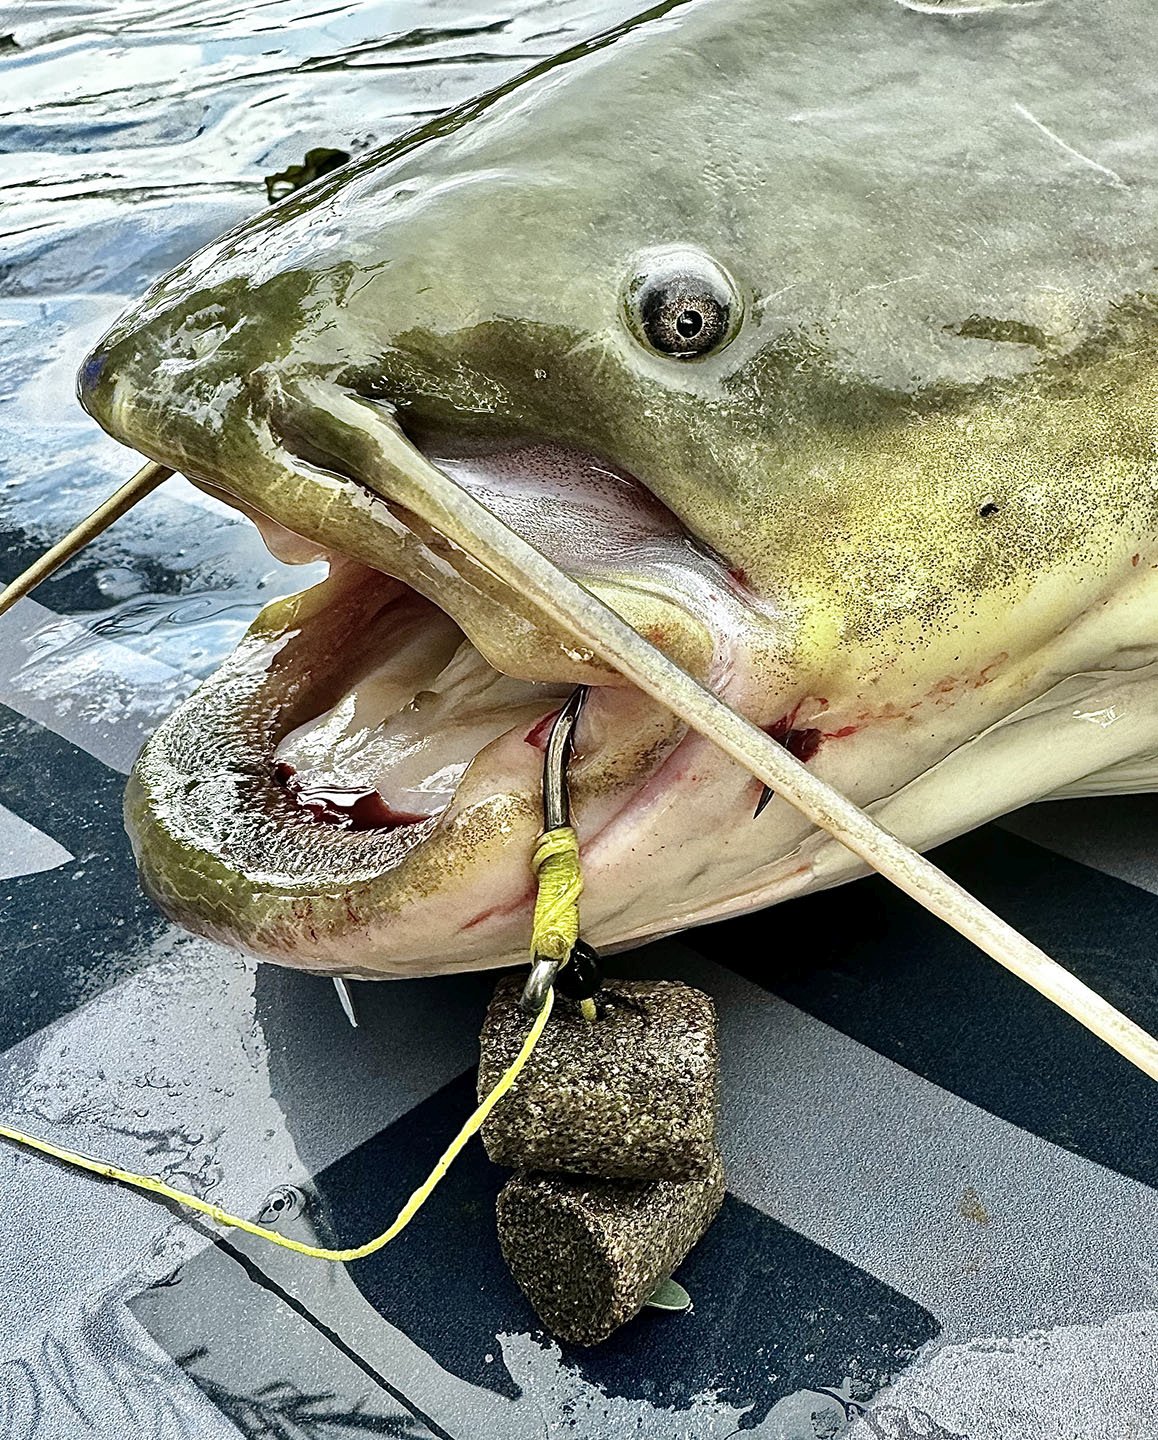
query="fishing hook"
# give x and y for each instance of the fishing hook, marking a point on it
(556, 814)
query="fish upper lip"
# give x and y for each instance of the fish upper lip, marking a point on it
(276, 411)
(689, 581)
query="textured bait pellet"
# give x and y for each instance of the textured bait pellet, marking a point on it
(631, 1095)
(588, 1253)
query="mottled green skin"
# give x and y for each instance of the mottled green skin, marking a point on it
(930, 450)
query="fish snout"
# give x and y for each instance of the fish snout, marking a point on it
(114, 384)
(173, 382)
(117, 386)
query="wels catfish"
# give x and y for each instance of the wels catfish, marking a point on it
(816, 337)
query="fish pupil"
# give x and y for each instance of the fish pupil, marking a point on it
(677, 301)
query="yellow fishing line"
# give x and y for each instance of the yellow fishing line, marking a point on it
(555, 927)
(315, 1252)
(554, 931)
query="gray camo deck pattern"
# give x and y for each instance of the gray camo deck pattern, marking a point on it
(940, 1219)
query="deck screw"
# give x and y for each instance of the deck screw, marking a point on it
(284, 1202)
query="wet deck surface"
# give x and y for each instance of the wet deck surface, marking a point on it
(940, 1213)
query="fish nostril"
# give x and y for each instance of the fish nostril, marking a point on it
(207, 317)
(200, 333)
(90, 373)
(94, 383)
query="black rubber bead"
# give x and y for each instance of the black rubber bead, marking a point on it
(582, 975)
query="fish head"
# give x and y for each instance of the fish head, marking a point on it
(735, 375)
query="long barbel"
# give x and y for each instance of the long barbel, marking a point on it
(398, 471)
(143, 483)
(404, 474)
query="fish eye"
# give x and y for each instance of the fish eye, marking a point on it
(680, 302)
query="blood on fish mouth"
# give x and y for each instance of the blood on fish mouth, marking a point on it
(349, 806)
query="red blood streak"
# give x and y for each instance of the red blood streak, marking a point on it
(802, 743)
(481, 918)
(537, 734)
(353, 809)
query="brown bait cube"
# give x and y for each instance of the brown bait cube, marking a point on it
(588, 1253)
(630, 1095)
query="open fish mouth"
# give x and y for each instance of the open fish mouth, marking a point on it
(420, 701)
(357, 790)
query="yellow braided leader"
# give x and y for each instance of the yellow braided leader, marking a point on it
(555, 862)
(315, 1252)
(553, 934)
(555, 928)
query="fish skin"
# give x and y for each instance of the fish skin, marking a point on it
(928, 453)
